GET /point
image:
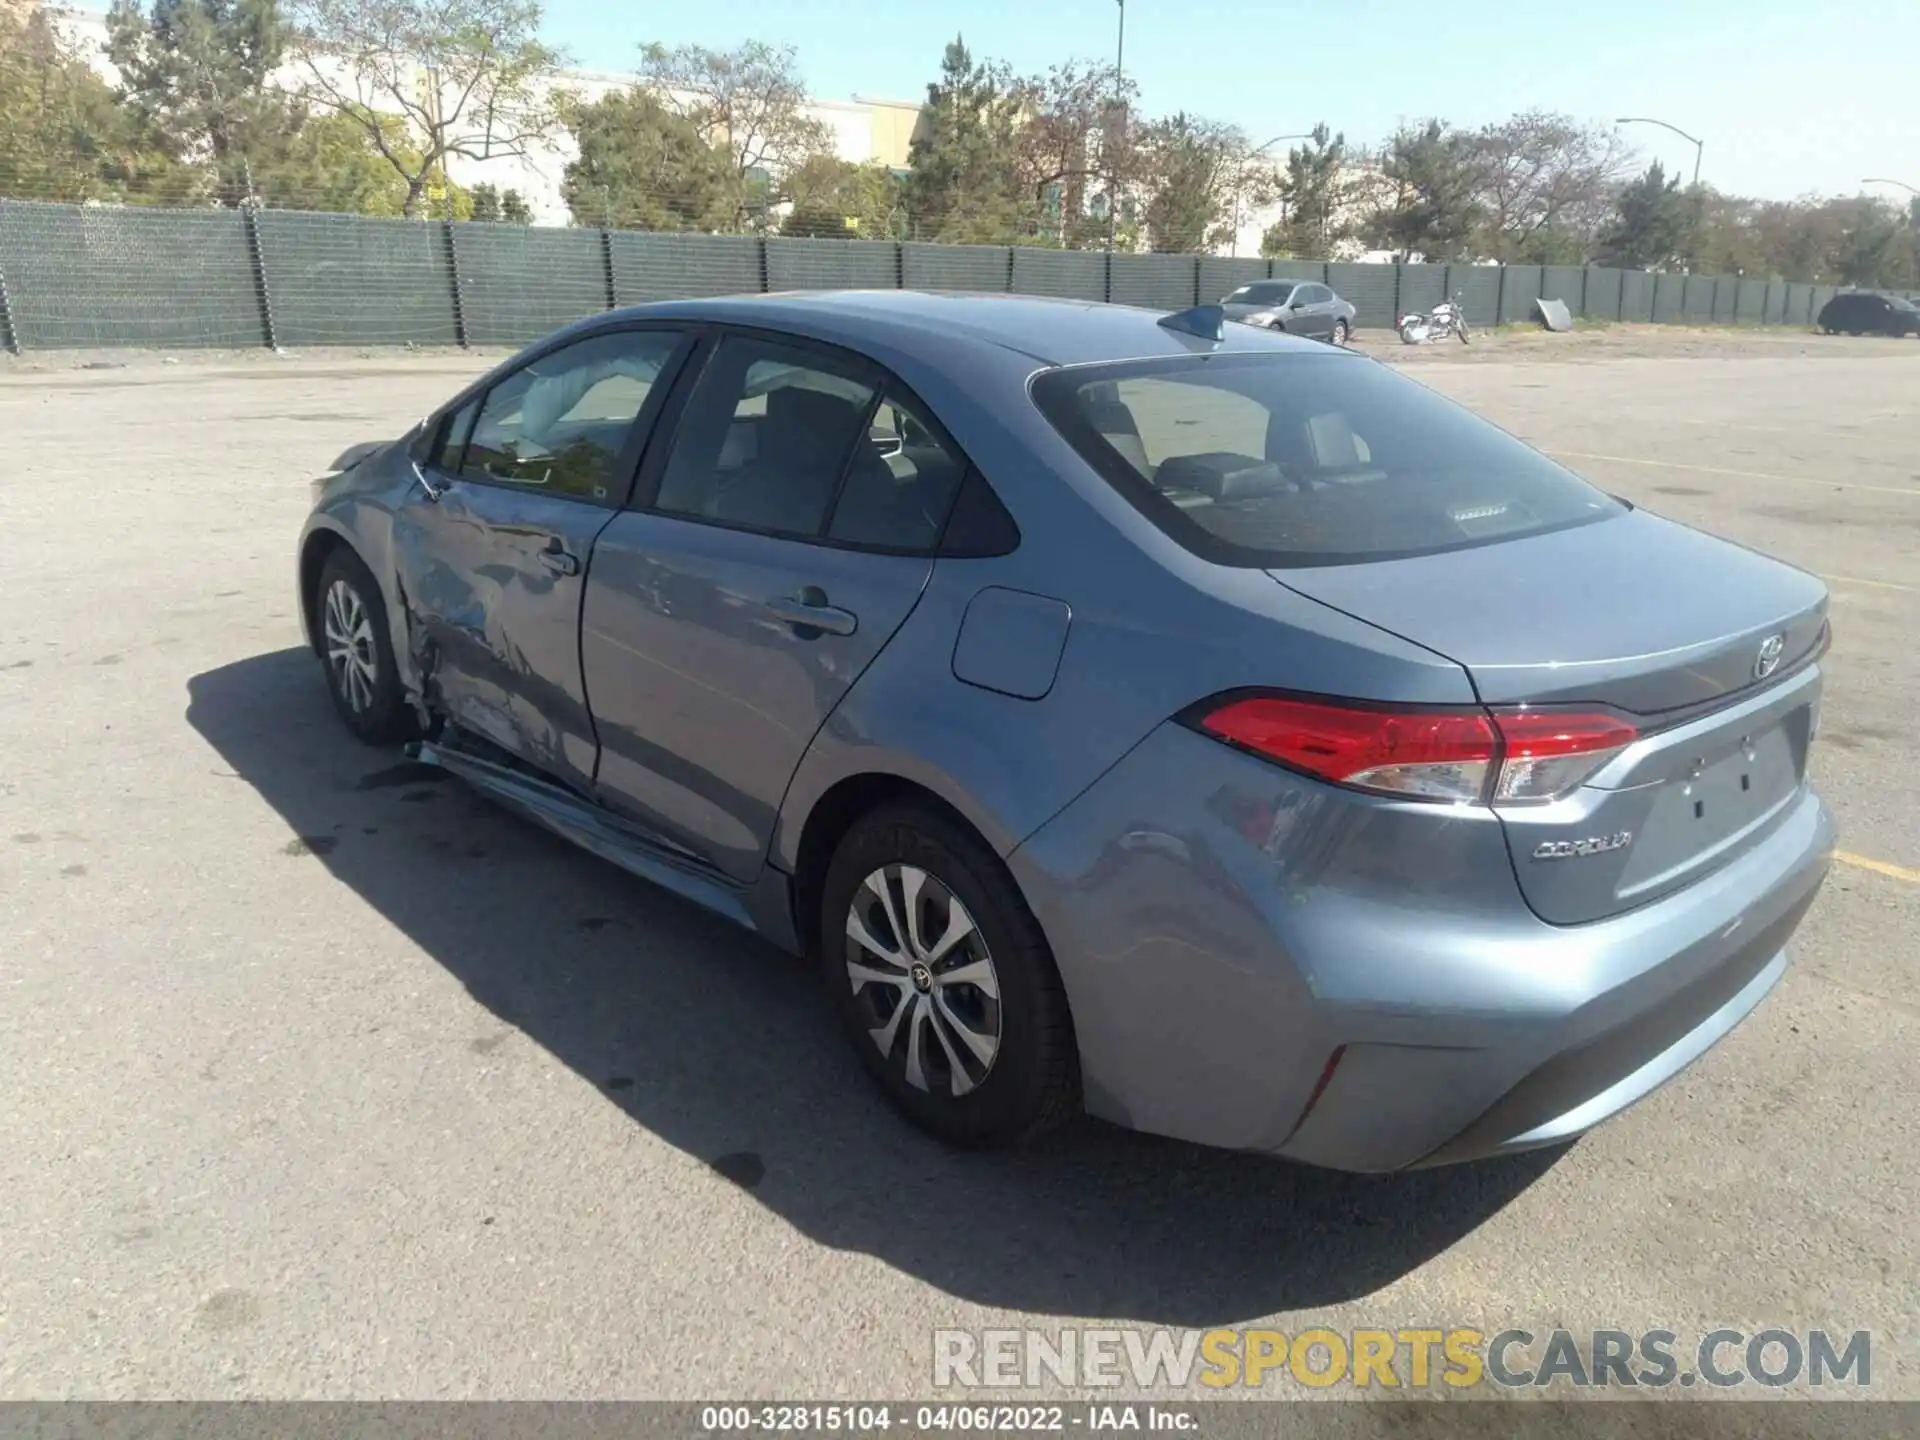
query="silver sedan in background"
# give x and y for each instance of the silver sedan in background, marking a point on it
(1299, 307)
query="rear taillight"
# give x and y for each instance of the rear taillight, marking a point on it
(1464, 756)
(1546, 753)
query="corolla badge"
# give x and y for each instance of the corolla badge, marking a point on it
(1768, 660)
(1592, 845)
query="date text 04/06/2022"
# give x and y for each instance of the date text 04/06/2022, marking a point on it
(989, 1419)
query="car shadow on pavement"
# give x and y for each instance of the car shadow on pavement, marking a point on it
(725, 1047)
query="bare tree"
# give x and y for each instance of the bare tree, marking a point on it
(1546, 185)
(466, 76)
(1076, 145)
(749, 102)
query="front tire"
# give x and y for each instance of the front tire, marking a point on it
(945, 983)
(356, 651)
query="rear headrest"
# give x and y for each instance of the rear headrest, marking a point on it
(1220, 475)
(793, 407)
(1111, 417)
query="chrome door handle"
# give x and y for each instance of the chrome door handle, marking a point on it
(556, 559)
(809, 610)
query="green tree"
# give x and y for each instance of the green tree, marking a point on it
(484, 69)
(1433, 206)
(836, 199)
(1192, 169)
(961, 186)
(514, 209)
(196, 74)
(1873, 248)
(643, 167)
(1650, 225)
(328, 165)
(65, 136)
(1315, 190)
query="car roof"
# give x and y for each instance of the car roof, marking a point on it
(1050, 331)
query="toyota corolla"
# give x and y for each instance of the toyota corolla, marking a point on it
(1177, 721)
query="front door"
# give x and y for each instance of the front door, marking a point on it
(528, 474)
(789, 533)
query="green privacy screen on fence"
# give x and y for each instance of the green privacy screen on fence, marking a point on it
(105, 276)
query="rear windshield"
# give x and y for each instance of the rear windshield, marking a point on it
(1297, 460)
(1268, 294)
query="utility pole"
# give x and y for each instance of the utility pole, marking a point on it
(1119, 107)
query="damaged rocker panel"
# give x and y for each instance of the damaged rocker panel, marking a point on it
(590, 826)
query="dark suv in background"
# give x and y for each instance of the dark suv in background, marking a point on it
(1860, 313)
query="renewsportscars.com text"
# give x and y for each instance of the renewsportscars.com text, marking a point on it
(1399, 1359)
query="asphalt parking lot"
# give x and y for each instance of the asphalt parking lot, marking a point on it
(326, 1082)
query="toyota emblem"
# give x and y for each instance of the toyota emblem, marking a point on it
(1768, 660)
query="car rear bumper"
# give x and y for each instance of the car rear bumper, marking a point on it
(1273, 964)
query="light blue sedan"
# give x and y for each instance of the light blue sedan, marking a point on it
(1179, 721)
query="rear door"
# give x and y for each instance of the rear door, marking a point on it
(528, 474)
(774, 547)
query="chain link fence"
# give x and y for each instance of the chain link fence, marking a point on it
(100, 276)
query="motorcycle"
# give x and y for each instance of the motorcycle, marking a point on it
(1446, 318)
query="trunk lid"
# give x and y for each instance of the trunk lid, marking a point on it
(1639, 615)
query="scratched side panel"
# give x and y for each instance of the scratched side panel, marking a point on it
(496, 631)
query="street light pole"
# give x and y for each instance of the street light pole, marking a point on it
(1699, 201)
(1119, 81)
(1240, 180)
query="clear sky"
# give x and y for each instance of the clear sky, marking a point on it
(1790, 96)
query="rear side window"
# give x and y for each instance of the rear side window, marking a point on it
(1299, 460)
(897, 491)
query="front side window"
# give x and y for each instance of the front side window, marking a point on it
(454, 434)
(1296, 460)
(561, 423)
(765, 438)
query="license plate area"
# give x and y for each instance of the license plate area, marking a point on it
(1714, 802)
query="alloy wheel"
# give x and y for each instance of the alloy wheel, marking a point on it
(351, 657)
(917, 962)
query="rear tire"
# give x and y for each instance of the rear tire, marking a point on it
(949, 996)
(1340, 332)
(356, 652)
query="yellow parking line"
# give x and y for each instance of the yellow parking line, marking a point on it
(1879, 867)
(1742, 474)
